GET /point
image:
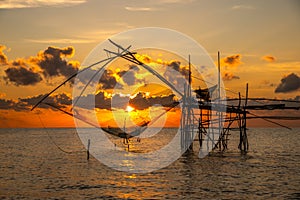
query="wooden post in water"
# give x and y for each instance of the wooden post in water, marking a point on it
(243, 145)
(240, 122)
(219, 103)
(245, 138)
(190, 121)
(186, 121)
(88, 149)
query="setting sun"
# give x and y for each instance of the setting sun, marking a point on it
(129, 109)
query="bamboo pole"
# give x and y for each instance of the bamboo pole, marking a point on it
(88, 149)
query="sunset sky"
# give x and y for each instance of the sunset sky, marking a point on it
(258, 40)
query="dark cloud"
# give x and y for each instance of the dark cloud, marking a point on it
(172, 67)
(117, 101)
(58, 52)
(100, 101)
(85, 76)
(61, 100)
(233, 60)
(48, 63)
(22, 76)
(25, 104)
(6, 104)
(107, 80)
(134, 68)
(129, 76)
(31, 101)
(268, 58)
(165, 101)
(3, 57)
(177, 79)
(175, 65)
(52, 62)
(229, 76)
(139, 102)
(85, 101)
(290, 83)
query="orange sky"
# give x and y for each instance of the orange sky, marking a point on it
(18, 115)
(43, 42)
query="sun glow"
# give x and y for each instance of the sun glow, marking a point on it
(129, 109)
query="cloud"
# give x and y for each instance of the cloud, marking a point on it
(289, 83)
(175, 65)
(52, 62)
(268, 58)
(107, 80)
(177, 79)
(61, 100)
(129, 76)
(171, 69)
(84, 77)
(233, 60)
(3, 57)
(11, 4)
(267, 83)
(48, 63)
(229, 76)
(111, 79)
(242, 7)
(62, 41)
(102, 101)
(156, 5)
(119, 101)
(140, 101)
(166, 101)
(174, 1)
(6, 104)
(129, 8)
(22, 76)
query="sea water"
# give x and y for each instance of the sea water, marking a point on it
(52, 164)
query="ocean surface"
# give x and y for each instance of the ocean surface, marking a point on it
(52, 164)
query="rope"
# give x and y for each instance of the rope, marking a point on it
(51, 139)
(257, 100)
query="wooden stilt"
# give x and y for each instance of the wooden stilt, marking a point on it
(88, 149)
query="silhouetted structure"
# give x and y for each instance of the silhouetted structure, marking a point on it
(211, 119)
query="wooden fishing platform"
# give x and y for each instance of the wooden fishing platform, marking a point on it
(211, 119)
